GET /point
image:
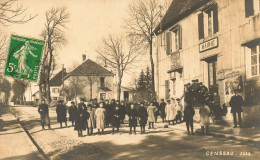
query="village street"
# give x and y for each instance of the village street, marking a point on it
(159, 143)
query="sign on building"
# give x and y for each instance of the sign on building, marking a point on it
(24, 58)
(213, 43)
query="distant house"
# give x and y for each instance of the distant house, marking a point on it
(56, 84)
(93, 80)
(36, 98)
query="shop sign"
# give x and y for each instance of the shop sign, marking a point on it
(213, 43)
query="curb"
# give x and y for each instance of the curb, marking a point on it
(36, 148)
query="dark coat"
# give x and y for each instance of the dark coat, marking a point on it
(61, 113)
(162, 109)
(108, 113)
(236, 102)
(81, 117)
(122, 110)
(116, 118)
(72, 113)
(142, 113)
(133, 114)
(188, 113)
(43, 109)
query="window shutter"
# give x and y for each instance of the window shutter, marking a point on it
(215, 18)
(201, 26)
(180, 37)
(167, 95)
(168, 42)
(249, 7)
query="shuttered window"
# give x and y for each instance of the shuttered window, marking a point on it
(168, 42)
(249, 7)
(167, 95)
(215, 18)
(201, 26)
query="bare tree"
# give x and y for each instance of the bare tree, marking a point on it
(13, 12)
(56, 20)
(3, 48)
(144, 16)
(119, 52)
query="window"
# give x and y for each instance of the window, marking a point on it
(102, 96)
(173, 40)
(252, 7)
(208, 22)
(55, 98)
(255, 61)
(212, 72)
(102, 81)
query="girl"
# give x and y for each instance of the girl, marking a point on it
(151, 117)
(100, 118)
(91, 119)
(170, 112)
(204, 118)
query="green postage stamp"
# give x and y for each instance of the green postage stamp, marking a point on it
(24, 58)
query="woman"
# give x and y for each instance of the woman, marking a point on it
(142, 112)
(132, 118)
(170, 112)
(90, 120)
(61, 113)
(72, 113)
(151, 117)
(100, 118)
(80, 123)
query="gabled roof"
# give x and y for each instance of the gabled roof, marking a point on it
(178, 10)
(90, 68)
(57, 79)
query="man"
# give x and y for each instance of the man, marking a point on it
(236, 102)
(157, 105)
(44, 113)
(123, 112)
(106, 106)
(162, 109)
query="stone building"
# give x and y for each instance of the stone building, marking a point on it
(214, 41)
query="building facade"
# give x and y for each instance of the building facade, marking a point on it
(214, 41)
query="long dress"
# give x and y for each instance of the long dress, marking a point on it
(116, 118)
(170, 112)
(100, 118)
(151, 111)
(204, 115)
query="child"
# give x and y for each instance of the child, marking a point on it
(188, 116)
(179, 110)
(72, 113)
(100, 118)
(132, 118)
(204, 118)
(116, 118)
(170, 112)
(91, 119)
(151, 117)
(142, 112)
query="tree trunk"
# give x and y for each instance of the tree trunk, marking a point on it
(120, 75)
(152, 64)
(90, 85)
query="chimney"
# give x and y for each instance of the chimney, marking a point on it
(84, 57)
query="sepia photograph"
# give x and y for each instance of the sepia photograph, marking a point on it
(129, 79)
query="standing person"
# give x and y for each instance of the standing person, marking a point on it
(151, 114)
(44, 113)
(80, 122)
(107, 108)
(216, 105)
(72, 113)
(133, 114)
(170, 112)
(116, 118)
(91, 119)
(179, 110)
(100, 118)
(162, 109)
(61, 113)
(188, 116)
(236, 102)
(142, 113)
(204, 117)
(156, 114)
(123, 111)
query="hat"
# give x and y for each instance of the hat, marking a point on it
(162, 99)
(196, 80)
(107, 100)
(72, 102)
(113, 100)
(193, 80)
(178, 99)
(168, 100)
(60, 101)
(117, 101)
